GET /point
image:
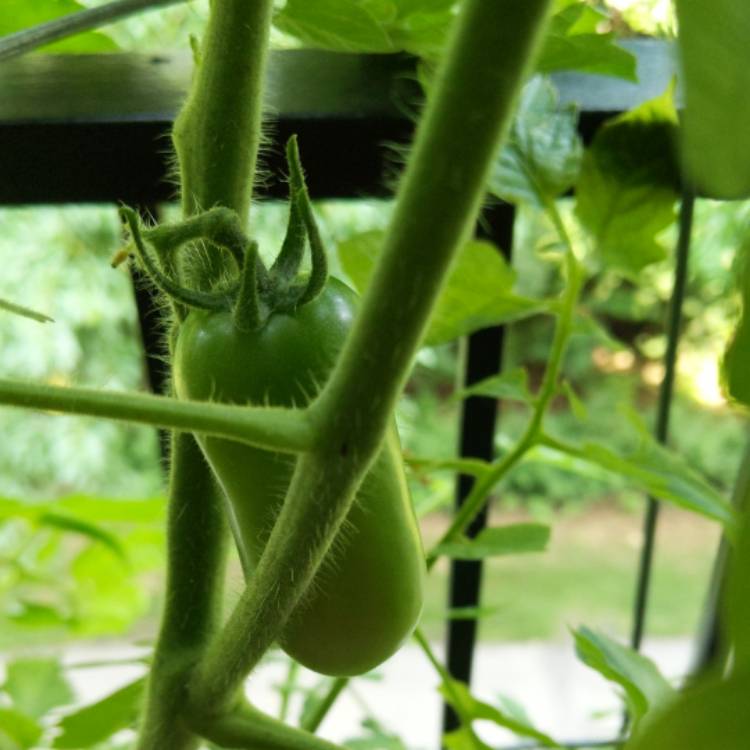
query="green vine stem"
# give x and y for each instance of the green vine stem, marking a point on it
(438, 200)
(194, 594)
(315, 719)
(218, 132)
(533, 432)
(21, 42)
(246, 727)
(286, 430)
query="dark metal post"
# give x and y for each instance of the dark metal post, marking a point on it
(478, 420)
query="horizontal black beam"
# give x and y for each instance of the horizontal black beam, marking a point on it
(93, 128)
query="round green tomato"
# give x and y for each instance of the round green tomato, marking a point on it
(367, 596)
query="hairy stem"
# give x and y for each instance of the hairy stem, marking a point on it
(273, 428)
(437, 204)
(196, 553)
(246, 727)
(217, 134)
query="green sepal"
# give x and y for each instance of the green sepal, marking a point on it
(288, 261)
(248, 312)
(189, 297)
(319, 272)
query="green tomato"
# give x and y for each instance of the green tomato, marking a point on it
(367, 595)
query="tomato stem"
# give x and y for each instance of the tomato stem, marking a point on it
(247, 727)
(437, 204)
(272, 428)
(194, 593)
(218, 132)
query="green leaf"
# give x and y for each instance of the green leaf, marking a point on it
(711, 715)
(665, 475)
(27, 613)
(629, 184)
(573, 42)
(108, 596)
(24, 312)
(513, 539)
(541, 157)
(468, 707)
(16, 15)
(337, 25)
(576, 405)
(84, 528)
(376, 737)
(464, 738)
(643, 685)
(37, 685)
(100, 720)
(512, 386)
(716, 77)
(17, 731)
(416, 26)
(478, 292)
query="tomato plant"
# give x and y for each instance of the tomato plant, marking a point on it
(285, 385)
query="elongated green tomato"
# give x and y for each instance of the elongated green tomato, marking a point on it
(367, 596)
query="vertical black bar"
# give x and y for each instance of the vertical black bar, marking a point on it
(664, 406)
(478, 420)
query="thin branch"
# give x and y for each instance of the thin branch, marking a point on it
(21, 42)
(287, 430)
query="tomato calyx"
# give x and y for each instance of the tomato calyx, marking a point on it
(254, 292)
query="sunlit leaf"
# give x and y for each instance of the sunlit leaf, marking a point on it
(716, 77)
(712, 715)
(338, 25)
(574, 42)
(541, 157)
(17, 731)
(478, 292)
(100, 720)
(629, 184)
(108, 597)
(16, 15)
(416, 26)
(513, 539)
(37, 685)
(642, 683)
